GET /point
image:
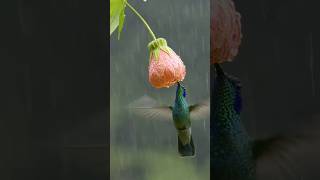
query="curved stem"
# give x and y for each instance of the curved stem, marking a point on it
(142, 19)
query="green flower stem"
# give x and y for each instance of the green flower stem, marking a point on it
(142, 19)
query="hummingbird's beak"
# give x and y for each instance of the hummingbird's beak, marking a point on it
(180, 84)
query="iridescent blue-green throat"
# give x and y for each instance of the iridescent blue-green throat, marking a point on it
(231, 148)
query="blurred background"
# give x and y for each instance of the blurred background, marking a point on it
(279, 68)
(54, 90)
(278, 64)
(144, 149)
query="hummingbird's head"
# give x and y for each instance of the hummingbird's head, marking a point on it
(228, 88)
(181, 91)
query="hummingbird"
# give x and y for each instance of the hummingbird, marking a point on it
(234, 155)
(230, 148)
(180, 113)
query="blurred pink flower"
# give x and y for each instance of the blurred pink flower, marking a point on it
(165, 66)
(225, 31)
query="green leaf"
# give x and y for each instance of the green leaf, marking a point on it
(116, 14)
(121, 19)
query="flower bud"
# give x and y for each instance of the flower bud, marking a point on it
(225, 31)
(165, 66)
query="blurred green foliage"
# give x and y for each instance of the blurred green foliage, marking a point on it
(117, 15)
(151, 164)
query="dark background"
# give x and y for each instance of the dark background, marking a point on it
(54, 79)
(279, 68)
(278, 64)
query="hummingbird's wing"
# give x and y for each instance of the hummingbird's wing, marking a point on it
(147, 108)
(289, 158)
(273, 159)
(200, 111)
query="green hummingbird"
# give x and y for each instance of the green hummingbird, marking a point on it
(234, 155)
(181, 113)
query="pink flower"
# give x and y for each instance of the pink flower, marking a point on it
(225, 31)
(165, 66)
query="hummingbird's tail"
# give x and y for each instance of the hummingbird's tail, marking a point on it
(185, 143)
